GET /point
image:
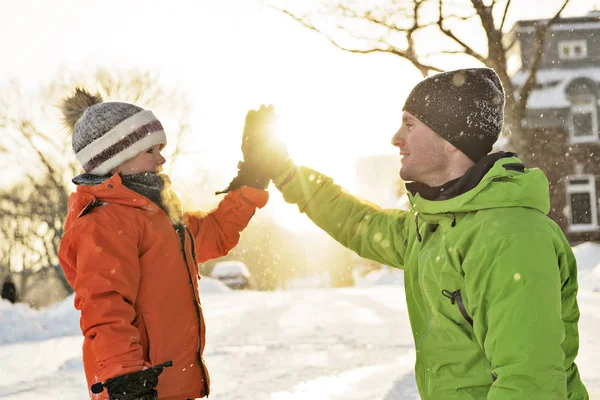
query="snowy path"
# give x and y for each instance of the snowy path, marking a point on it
(331, 344)
(328, 344)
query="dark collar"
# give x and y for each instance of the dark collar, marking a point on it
(461, 185)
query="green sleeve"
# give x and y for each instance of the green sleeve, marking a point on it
(513, 289)
(364, 228)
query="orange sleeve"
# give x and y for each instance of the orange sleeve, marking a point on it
(217, 232)
(105, 263)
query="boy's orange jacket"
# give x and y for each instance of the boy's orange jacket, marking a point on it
(137, 286)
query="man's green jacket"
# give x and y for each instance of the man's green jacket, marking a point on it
(490, 281)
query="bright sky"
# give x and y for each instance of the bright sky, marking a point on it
(230, 56)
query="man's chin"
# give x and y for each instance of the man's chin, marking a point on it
(405, 176)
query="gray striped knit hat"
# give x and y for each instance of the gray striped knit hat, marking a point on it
(105, 135)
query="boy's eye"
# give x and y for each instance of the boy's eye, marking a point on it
(149, 151)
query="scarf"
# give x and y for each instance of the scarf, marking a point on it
(154, 186)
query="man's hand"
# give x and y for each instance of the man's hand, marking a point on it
(265, 154)
(134, 386)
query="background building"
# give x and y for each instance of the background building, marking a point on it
(561, 126)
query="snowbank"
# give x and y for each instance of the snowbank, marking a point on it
(587, 255)
(61, 319)
(589, 279)
(382, 276)
(26, 324)
(588, 266)
(210, 285)
(308, 282)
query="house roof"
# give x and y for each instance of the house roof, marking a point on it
(552, 84)
(589, 21)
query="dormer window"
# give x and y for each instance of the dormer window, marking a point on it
(572, 49)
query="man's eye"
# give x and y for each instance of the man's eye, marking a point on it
(149, 151)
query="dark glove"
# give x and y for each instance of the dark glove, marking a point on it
(137, 385)
(265, 154)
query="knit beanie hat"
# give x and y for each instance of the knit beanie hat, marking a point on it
(465, 107)
(105, 135)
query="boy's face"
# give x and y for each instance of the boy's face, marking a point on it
(147, 161)
(424, 155)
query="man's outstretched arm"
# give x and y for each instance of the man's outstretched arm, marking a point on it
(364, 228)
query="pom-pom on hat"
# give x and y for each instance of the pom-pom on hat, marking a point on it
(105, 135)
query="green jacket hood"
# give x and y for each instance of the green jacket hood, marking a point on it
(528, 188)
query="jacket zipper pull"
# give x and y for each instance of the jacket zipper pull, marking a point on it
(450, 295)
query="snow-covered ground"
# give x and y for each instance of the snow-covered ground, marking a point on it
(330, 344)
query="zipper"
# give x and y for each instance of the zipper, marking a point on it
(193, 246)
(181, 235)
(428, 327)
(456, 297)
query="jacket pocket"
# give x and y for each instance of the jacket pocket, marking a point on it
(456, 298)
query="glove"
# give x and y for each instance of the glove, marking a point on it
(134, 386)
(265, 154)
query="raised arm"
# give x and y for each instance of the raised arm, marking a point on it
(217, 232)
(366, 229)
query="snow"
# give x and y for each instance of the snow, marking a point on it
(549, 98)
(227, 268)
(587, 255)
(383, 276)
(327, 344)
(210, 285)
(588, 266)
(559, 74)
(554, 96)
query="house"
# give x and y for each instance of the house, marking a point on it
(562, 121)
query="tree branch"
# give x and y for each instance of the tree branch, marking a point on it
(404, 54)
(26, 127)
(467, 49)
(504, 15)
(538, 52)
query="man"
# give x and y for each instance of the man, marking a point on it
(490, 280)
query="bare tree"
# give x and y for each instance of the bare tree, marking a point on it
(34, 144)
(427, 32)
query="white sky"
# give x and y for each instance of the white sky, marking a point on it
(230, 56)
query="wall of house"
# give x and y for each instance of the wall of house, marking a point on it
(551, 57)
(549, 149)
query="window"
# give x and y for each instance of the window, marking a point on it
(583, 121)
(581, 203)
(572, 49)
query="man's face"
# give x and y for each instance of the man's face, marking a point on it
(424, 152)
(147, 161)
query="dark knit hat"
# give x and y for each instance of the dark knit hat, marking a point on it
(105, 135)
(465, 107)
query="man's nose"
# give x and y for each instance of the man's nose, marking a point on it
(397, 139)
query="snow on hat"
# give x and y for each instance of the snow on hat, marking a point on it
(105, 135)
(465, 107)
